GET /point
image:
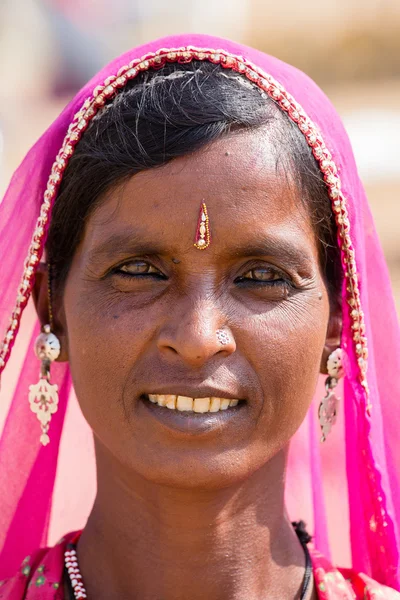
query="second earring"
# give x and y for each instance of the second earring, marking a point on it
(328, 408)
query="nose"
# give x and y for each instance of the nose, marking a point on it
(195, 334)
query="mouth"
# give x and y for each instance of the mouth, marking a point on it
(189, 415)
(186, 404)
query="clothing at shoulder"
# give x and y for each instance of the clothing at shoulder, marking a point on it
(345, 584)
(40, 578)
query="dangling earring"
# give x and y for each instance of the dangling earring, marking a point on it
(327, 412)
(43, 396)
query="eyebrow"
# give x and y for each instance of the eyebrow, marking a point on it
(275, 246)
(123, 243)
(133, 242)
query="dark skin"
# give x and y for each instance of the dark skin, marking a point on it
(195, 513)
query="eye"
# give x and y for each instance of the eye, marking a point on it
(267, 281)
(137, 268)
(263, 275)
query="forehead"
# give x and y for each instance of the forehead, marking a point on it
(246, 182)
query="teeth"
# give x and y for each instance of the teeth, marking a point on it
(167, 400)
(215, 404)
(184, 403)
(171, 402)
(201, 405)
(197, 405)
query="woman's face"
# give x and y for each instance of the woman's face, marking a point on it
(142, 306)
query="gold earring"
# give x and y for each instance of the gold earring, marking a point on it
(43, 396)
(328, 408)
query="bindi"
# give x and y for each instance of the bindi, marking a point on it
(202, 239)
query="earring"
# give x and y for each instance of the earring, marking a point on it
(43, 396)
(327, 412)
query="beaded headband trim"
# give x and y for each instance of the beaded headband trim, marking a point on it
(268, 85)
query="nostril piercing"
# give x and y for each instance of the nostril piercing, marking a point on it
(223, 337)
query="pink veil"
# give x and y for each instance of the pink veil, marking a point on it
(349, 489)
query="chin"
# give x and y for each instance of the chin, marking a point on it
(200, 468)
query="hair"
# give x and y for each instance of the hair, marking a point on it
(168, 113)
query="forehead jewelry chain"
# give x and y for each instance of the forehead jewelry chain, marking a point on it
(202, 239)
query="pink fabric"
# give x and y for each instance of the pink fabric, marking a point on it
(40, 577)
(370, 483)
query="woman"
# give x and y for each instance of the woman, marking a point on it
(208, 251)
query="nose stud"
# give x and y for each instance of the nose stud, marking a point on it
(223, 337)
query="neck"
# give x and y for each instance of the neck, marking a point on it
(143, 540)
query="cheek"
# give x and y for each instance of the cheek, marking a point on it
(104, 342)
(290, 340)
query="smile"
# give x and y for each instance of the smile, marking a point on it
(197, 405)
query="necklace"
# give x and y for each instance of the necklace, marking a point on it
(77, 589)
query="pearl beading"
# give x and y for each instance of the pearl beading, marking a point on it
(72, 567)
(267, 84)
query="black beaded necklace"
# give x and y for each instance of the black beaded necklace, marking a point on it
(304, 538)
(76, 590)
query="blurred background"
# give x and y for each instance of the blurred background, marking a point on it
(49, 48)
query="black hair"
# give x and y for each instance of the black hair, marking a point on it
(167, 113)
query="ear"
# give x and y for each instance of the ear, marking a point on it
(332, 341)
(41, 299)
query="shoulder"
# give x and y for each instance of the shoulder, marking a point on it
(346, 584)
(39, 577)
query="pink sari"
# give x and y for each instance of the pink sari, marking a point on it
(362, 457)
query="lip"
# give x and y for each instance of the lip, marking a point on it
(191, 423)
(201, 391)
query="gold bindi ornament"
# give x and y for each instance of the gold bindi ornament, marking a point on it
(203, 239)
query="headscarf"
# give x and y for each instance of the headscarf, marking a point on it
(362, 459)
